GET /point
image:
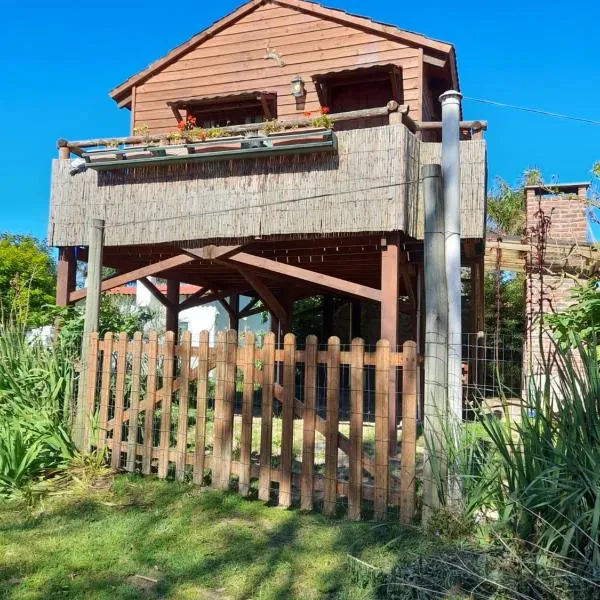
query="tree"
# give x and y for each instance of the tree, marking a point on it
(27, 279)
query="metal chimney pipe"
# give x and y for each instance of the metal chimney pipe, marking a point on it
(451, 188)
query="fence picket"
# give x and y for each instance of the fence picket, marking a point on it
(308, 417)
(266, 428)
(382, 368)
(165, 404)
(182, 415)
(247, 405)
(201, 403)
(134, 401)
(105, 390)
(224, 404)
(91, 374)
(409, 432)
(150, 402)
(333, 412)
(356, 427)
(115, 459)
(287, 419)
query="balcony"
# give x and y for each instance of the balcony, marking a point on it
(257, 182)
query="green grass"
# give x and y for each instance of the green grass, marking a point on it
(196, 544)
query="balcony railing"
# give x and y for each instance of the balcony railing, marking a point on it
(242, 141)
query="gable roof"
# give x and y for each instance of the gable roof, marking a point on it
(122, 93)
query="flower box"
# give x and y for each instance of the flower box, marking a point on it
(306, 135)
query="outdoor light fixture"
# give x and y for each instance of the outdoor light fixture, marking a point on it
(78, 165)
(298, 87)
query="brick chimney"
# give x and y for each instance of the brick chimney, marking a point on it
(561, 211)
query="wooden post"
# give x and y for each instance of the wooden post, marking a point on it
(287, 419)
(165, 404)
(327, 322)
(333, 417)
(389, 326)
(172, 322)
(308, 417)
(382, 381)
(356, 427)
(266, 427)
(184, 401)
(201, 403)
(105, 387)
(234, 319)
(132, 432)
(117, 438)
(247, 405)
(90, 392)
(409, 432)
(91, 319)
(150, 402)
(66, 269)
(355, 320)
(436, 338)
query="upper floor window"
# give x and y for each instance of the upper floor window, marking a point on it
(231, 109)
(363, 87)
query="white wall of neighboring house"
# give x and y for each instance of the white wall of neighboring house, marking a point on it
(209, 317)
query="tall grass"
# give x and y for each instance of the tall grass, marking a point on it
(36, 391)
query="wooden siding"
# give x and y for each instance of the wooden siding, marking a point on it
(234, 61)
(370, 185)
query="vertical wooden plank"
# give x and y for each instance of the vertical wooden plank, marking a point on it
(119, 399)
(266, 428)
(308, 416)
(105, 390)
(150, 402)
(333, 415)
(382, 380)
(201, 403)
(409, 432)
(287, 419)
(182, 422)
(91, 375)
(247, 402)
(357, 357)
(165, 404)
(224, 405)
(134, 401)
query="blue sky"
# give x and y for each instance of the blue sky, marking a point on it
(59, 60)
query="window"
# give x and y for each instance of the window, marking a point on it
(232, 109)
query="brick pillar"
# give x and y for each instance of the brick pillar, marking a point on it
(563, 214)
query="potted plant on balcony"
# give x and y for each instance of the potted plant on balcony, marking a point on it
(304, 134)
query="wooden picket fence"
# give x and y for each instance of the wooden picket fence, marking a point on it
(170, 410)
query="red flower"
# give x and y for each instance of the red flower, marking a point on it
(325, 110)
(181, 125)
(307, 114)
(191, 119)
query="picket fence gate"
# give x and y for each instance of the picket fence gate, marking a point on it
(149, 405)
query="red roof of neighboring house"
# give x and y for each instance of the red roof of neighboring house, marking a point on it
(185, 289)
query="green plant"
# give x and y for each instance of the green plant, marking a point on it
(142, 130)
(323, 120)
(272, 126)
(174, 136)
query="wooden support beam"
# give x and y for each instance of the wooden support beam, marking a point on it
(156, 293)
(249, 308)
(172, 322)
(189, 301)
(336, 284)
(66, 270)
(389, 326)
(355, 320)
(212, 252)
(266, 295)
(153, 269)
(234, 315)
(193, 301)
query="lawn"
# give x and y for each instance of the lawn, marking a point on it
(145, 538)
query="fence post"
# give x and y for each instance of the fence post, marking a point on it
(165, 404)
(382, 383)
(182, 414)
(115, 459)
(266, 430)
(134, 401)
(247, 405)
(409, 432)
(287, 419)
(201, 402)
(333, 415)
(308, 418)
(357, 357)
(436, 339)
(150, 402)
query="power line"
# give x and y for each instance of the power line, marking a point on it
(534, 110)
